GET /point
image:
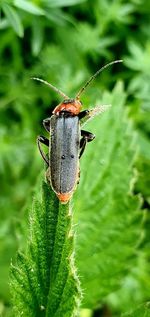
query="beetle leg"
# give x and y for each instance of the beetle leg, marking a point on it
(42, 139)
(90, 136)
(86, 137)
(46, 124)
(83, 143)
(83, 114)
(78, 179)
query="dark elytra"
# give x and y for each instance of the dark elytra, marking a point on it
(64, 152)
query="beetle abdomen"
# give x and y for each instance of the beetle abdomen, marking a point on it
(64, 152)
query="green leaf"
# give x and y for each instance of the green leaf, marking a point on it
(141, 311)
(44, 281)
(37, 37)
(3, 23)
(107, 211)
(63, 3)
(143, 165)
(57, 16)
(86, 32)
(28, 6)
(139, 57)
(13, 18)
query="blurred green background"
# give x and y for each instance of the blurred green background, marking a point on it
(64, 42)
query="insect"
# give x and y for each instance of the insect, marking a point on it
(67, 141)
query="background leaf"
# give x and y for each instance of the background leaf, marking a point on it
(13, 18)
(29, 7)
(142, 311)
(64, 3)
(37, 37)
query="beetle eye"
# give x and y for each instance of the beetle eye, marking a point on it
(72, 156)
(63, 157)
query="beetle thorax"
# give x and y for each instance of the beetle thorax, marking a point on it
(70, 105)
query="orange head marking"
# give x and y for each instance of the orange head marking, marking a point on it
(64, 198)
(70, 105)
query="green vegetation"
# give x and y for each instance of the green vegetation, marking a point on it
(45, 282)
(64, 42)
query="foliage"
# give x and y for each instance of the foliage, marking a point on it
(45, 282)
(64, 42)
(112, 163)
(141, 311)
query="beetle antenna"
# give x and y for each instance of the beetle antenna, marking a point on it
(95, 75)
(51, 86)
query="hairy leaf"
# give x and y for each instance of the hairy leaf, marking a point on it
(107, 211)
(44, 282)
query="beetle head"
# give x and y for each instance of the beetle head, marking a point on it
(70, 105)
